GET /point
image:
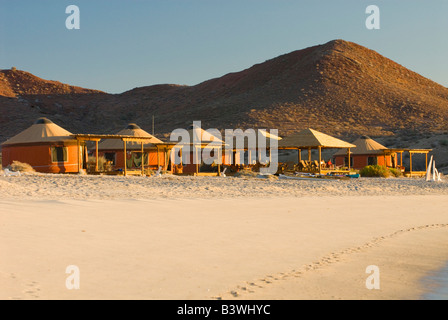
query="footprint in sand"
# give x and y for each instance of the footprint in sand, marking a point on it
(32, 290)
(20, 289)
(334, 257)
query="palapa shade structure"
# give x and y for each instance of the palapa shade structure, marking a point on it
(241, 136)
(136, 151)
(199, 139)
(131, 130)
(45, 146)
(312, 139)
(241, 142)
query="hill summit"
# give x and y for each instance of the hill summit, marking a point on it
(340, 88)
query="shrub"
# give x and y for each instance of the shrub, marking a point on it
(380, 171)
(375, 171)
(443, 142)
(149, 172)
(395, 172)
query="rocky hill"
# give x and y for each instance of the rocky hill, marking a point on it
(340, 88)
(15, 83)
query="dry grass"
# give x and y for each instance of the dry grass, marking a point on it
(18, 166)
(246, 174)
(101, 162)
(251, 174)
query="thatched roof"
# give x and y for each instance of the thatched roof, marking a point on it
(131, 130)
(42, 131)
(266, 136)
(310, 138)
(200, 136)
(364, 145)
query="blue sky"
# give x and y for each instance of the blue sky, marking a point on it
(132, 43)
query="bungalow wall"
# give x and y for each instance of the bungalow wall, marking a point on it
(361, 161)
(39, 156)
(191, 167)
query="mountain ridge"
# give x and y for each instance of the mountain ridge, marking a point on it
(339, 87)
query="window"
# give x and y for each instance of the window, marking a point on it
(346, 161)
(372, 161)
(110, 156)
(59, 154)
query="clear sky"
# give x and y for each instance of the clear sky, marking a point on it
(123, 44)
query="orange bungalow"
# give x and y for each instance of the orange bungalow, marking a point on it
(367, 152)
(45, 146)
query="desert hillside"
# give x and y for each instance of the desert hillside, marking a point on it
(339, 87)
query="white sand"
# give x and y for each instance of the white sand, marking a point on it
(205, 238)
(175, 187)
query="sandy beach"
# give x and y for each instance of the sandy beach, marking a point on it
(218, 238)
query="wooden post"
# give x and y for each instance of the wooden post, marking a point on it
(401, 158)
(79, 155)
(158, 157)
(426, 161)
(180, 155)
(219, 161)
(299, 155)
(165, 166)
(197, 158)
(125, 158)
(410, 162)
(320, 160)
(309, 154)
(349, 160)
(96, 155)
(143, 162)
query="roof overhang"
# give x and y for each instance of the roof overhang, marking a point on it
(349, 145)
(398, 150)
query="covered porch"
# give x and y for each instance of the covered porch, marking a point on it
(309, 140)
(397, 162)
(189, 155)
(161, 148)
